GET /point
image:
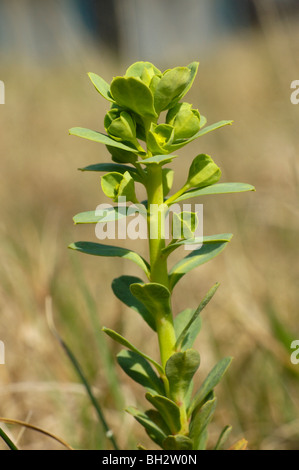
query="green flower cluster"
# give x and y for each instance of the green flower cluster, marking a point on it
(139, 97)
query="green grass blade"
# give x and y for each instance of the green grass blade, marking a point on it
(81, 375)
(7, 440)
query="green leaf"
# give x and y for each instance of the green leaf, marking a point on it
(193, 67)
(155, 416)
(223, 437)
(154, 296)
(99, 249)
(210, 383)
(124, 342)
(158, 160)
(104, 215)
(121, 126)
(145, 71)
(200, 422)
(160, 138)
(173, 85)
(96, 136)
(203, 172)
(139, 370)
(122, 156)
(184, 225)
(181, 322)
(179, 370)
(131, 93)
(121, 288)
(203, 439)
(178, 442)
(192, 327)
(7, 440)
(167, 180)
(101, 86)
(181, 143)
(116, 185)
(193, 260)
(221, 188)
(222, 237)
(154, 432)
(109, 167)
(117, 167)
(184, 119)
(169, 411)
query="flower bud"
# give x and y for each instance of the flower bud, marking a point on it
(120, 125)
(159, 138)
(146, 71)
(116, 185)
(184, 119)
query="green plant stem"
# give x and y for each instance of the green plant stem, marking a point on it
(159, 273)
(174, 197)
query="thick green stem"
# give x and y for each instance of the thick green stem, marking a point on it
(159, 273)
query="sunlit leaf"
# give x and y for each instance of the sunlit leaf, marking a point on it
(96, 136)
(178, 442)
(179, 369)
(101, 86)
(131, 93)
(220, 188)
(140, 370)
(210, 383)
(154, 432)
(169, 411)
(200, 421)
(121, 288)
(99, 249)
(192, 327)
(194, 259)
(124, 342)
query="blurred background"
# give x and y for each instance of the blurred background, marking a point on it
(248, 53)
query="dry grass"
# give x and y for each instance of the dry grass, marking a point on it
(254, 313)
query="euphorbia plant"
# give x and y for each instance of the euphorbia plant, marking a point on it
(141, 146)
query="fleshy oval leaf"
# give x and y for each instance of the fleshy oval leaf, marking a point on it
(169, 411)
(131, 93)
(154, 296)
(121, 288)
(180, 369)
